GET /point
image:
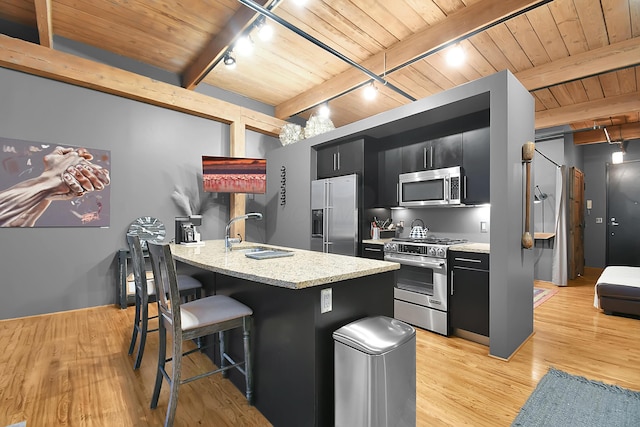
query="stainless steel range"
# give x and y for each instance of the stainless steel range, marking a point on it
(421, 292)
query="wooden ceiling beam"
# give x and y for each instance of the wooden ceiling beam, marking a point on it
(467, 20)
(602, 60)
(624, 132)
(218, 45)
(43, 18)
(33, 59)
(586, 111)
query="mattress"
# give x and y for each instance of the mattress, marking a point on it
(617, 275)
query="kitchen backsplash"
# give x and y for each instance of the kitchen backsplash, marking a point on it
(458, 222)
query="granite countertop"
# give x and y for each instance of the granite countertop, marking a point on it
(302, 270)
(482, 248)
(376, 241)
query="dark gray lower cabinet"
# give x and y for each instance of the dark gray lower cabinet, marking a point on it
(469, 296)
(373, 251)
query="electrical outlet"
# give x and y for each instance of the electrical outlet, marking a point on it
(483, 227)
(598, 220)
(325, 300)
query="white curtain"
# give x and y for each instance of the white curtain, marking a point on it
(559, 261)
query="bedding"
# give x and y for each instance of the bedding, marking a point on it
(618, 290)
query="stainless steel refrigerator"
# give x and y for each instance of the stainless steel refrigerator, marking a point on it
(334, 215)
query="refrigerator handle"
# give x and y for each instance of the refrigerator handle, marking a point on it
(325, 216)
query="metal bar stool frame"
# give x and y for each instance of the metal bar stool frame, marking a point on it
(190, 286)
(192, 320)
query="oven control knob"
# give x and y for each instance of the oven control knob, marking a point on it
(440, 253)
(431, 252)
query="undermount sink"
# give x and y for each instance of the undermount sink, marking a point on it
(262, 252)
(247, 249)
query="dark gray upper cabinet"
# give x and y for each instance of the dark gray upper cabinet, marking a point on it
(475, 163)
(340, 159)
(436, 153)
(389, 167)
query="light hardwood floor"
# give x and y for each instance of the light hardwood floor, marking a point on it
(72, 369)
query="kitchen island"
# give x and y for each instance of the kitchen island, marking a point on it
(292, 336)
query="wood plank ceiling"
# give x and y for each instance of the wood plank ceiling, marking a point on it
(580, 59)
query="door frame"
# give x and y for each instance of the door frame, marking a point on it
(575, 230)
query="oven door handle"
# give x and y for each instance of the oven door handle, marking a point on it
(437, 265)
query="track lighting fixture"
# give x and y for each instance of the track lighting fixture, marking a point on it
(265, 31)
(323, 110)
(455, 56)
(244, 46)
(229, 60)
(370, 91)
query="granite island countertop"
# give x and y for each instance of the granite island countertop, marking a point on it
(302, 270)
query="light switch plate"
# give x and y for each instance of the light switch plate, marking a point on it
(483, 227)
(325, 300)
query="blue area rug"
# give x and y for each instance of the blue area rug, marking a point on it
(561, 399)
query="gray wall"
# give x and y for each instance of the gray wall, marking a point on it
(452, 222)
(152, 150)
(595, 160)
(511, 124)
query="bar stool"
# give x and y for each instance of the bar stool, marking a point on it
(144, 288)
(191, 320)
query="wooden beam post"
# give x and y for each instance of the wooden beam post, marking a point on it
(237, 201)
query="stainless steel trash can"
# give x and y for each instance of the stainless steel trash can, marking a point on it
(375, 373)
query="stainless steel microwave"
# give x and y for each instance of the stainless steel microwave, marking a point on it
(437, 187)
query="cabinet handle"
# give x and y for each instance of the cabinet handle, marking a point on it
(431, 156)
(373, 250)
(338, 160)
(451, 282)
(334, 161)
(465, 187)
(424, 157)
(398, 193)
(468, 260)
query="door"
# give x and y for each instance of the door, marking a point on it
(576, 224)
(623, 211)
(342, 215)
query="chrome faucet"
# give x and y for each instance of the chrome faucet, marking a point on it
(228, 241)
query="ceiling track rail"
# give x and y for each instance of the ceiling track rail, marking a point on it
(261, 10)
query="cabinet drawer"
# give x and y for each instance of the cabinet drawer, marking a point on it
(475, 260)
(370, 250)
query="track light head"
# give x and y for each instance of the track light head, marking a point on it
(370, 91)
(229, 60)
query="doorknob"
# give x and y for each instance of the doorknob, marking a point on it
(613, 222)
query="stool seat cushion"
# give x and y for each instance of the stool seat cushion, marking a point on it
(210, 310)
(186, 282)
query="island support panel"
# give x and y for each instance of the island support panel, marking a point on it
(292, 342)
